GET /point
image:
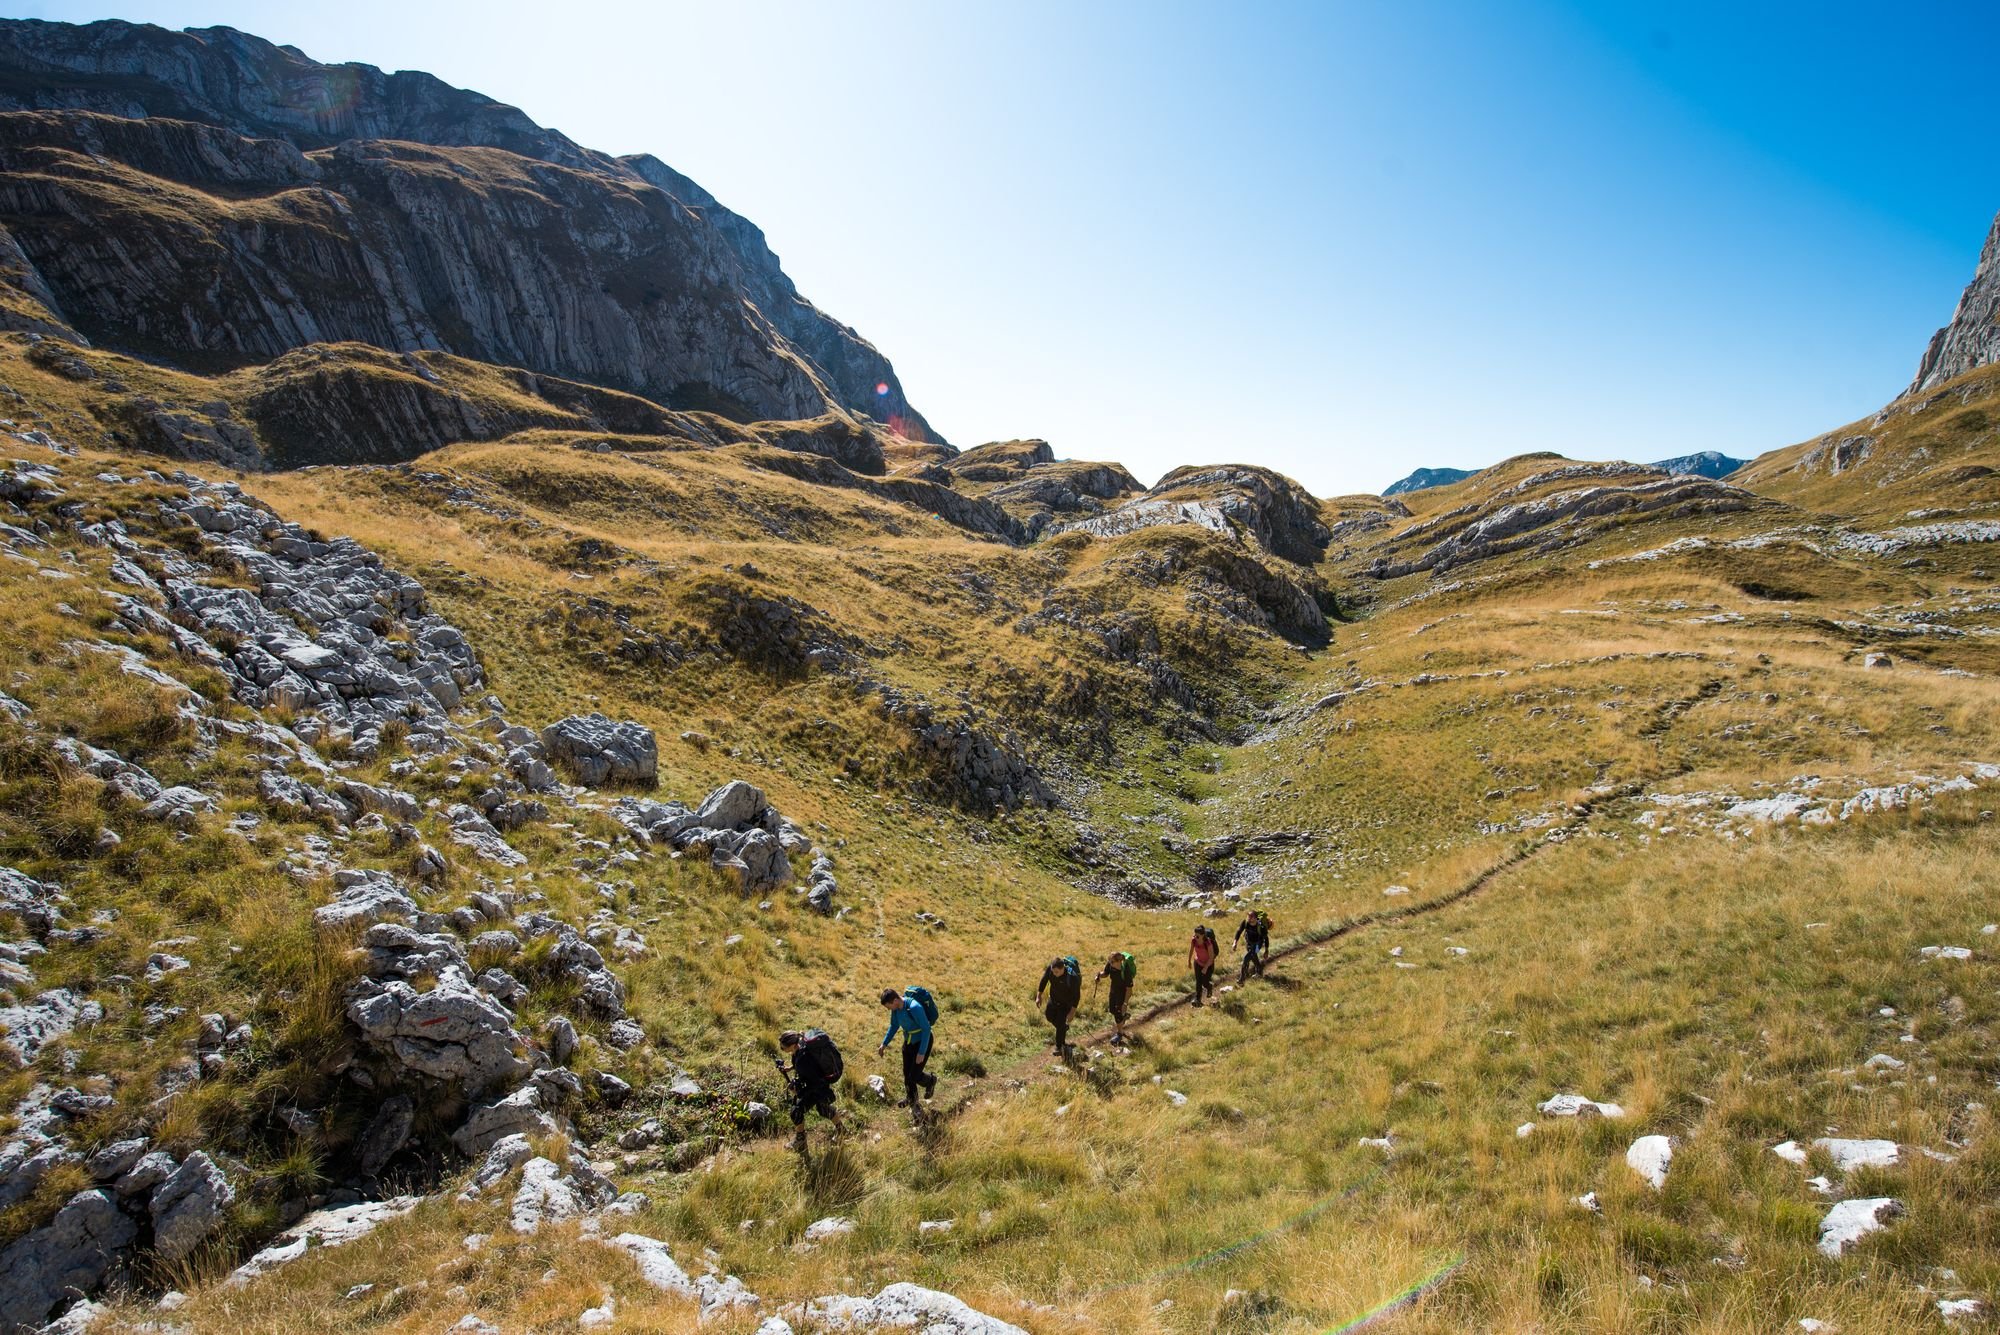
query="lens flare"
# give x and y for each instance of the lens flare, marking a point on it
(881, 389)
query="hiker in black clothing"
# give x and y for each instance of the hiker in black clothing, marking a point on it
(1062, 982)
(1254, 935)
(1202, 951)
(1121, 969)
(816, 1065)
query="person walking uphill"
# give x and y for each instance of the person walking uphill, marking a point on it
(815, 1067)
(910, 1011)
(1062, 984)
(1121, 969)
(1202, 950)
(1254, 935)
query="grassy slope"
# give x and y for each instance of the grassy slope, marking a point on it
(1939, 452)
(1676, 976)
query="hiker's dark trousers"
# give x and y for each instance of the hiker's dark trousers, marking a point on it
(1060, 1019)
(914, 1075)
(806, 1096)
(1253, 958)
(1204, 982)
(1121, 1000)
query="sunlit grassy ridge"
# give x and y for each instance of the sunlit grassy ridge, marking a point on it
(1937, 453)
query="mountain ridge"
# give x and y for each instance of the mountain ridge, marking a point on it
(675, 298)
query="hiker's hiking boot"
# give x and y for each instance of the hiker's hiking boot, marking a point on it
(799, 1140)
(930, 1086)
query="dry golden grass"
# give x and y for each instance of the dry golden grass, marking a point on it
(1677, 977)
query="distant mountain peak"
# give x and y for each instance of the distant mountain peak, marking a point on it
(1706, 463)
(1427, 477)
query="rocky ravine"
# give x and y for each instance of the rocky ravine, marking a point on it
(308, 203)
(321, 633)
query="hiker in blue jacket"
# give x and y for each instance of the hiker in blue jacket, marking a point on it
(908, 1016)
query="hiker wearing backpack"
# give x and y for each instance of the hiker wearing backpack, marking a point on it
(1202, 950)
(911, 1011)
(815, 1069)
(1121, 969)
(1062, 984)
(1253, 934)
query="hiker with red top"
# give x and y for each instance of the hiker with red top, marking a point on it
(1121, 969)
(1202, 950)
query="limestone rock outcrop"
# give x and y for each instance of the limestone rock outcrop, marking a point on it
(598, 751)
(1972, 339)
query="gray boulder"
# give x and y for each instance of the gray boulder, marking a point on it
(502, 1157)
(114, 1160)
(756, 859)
(389, 803)
(550, 1192)
(189, 1206)
(34, 902)
(34, 1025)
(472, 830)
(453, 1033)
(63, 1261)
(562, 1040)
(24, 1163)
(388, 1131)
(179, 806)
(733, 806)
(152, 1169)
(599, 752)
(518, 1114)
(365, 897)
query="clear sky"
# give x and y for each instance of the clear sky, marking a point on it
(1339, 239)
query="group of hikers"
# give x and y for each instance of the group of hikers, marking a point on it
(816, 1066)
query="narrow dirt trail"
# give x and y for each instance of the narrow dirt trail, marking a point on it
(1319, 938)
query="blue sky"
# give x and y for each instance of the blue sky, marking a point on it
(1342, 240)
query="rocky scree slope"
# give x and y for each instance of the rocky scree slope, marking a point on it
(213, 200)
(316, 661)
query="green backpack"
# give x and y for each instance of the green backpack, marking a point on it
(1129, 966)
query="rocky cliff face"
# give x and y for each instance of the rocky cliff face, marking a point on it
(213, 200)
(1972, 339)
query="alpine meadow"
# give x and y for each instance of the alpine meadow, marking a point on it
(502, 700)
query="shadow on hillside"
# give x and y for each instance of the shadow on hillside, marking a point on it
(834, 1179)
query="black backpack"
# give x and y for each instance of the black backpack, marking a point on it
(817, 1055)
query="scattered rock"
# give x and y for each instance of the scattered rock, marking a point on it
(1850, 1221)
(833, 1226)
(907, 1305)
(1649, 1157)
(1576, 1105)
(324, 1228)
(72, 1254)
(599, 752)
(189, 1206)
